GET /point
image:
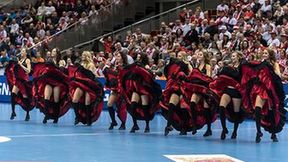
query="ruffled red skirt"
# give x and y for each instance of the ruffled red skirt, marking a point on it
(16, 76)
(48, 74)
(259, 79)
(198, 83)
(86, 81)
(218, 86)
(134, 78)
(111, 84)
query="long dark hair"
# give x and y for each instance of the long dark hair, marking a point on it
(124, 58)
(144, 59)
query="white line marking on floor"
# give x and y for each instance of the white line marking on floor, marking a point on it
(4, 139)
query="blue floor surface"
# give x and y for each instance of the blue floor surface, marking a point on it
(64, 142)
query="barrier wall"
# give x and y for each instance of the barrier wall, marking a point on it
(5, 93)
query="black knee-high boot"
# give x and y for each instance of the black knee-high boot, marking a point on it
(236, 125)
(169, 128)
(208, 117)
(259, 134)
(76, 107)
(146, 109)
(47, 105)
(89, 109)
(13, 103)
(185, 118)
(112, 116)
(223, 122)
(273, 135)
(194, 117)
(56, 112)
(26, 102)
(133, 107)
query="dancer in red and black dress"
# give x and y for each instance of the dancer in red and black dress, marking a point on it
(85, 91)
(227, 86)
(263, 94)
(17, 74)
(196, 91)
(140, 91)
(50, 88)
(172, 103)
(111, 76)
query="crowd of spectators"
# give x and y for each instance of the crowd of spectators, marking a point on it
(248, 26)
(31, 24)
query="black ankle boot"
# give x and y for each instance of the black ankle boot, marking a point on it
(167, 130)
(147, 128)
(274, 137)
(122, 126)
(13, 103)
(45, 119)
(27, 118)
(135, 126)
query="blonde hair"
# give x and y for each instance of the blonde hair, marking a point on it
(89, 60)
(184, 56)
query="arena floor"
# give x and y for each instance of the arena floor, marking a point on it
(64, 142)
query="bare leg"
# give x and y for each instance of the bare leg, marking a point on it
(89, 109)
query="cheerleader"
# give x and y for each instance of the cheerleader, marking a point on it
(85, 91)
(197, 88)
(172, 99)
(263, 95)
(111, 76)
(227, 86)
(17, 74)
(50, 87)
(140, 91)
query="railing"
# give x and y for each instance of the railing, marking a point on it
(68, 35)
(4, 3)
(93, 26)
(146, 25)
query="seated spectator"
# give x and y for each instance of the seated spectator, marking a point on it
(4, 59)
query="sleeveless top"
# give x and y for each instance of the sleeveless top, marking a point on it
(203, 70)
(24, 63)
